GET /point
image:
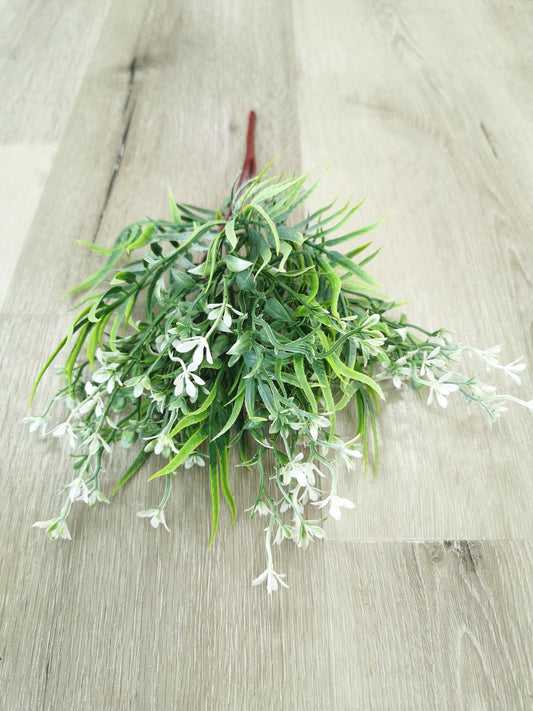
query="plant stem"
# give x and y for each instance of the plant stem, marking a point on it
(249, 166)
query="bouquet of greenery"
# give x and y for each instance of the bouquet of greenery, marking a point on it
(256, 332)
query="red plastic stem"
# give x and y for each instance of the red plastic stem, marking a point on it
(249, 166)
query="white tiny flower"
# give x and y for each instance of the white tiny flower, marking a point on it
(156, 517)
(188, 380)
(95, 442)
(303, 533)
(430, 361)
(292, 502)
(481, 390)
(441, 389)
(60, 430)
(90, 388)
(347, 450)
(94, 400)
(56, 527)
(309, 493)
(65, 428)
(158, 398)
(283, 532)
(490, 356)
(511, 369)
(194, 460)
(199, 345)
(335, 504)
(46, 524)
(402, 332)
(261, 508)
(316, 422)
(272, 579)
(36, 422)
(139, 383)
(220, 311)
(496, 409)
(109, 376)
(303, 472)
(161, 343)
(162, 441)
(77, 490)
(96, 495)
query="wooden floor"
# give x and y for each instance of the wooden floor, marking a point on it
(421, 598)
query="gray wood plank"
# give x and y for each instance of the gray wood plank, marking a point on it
(450, 628)
(25, 169)
(381, 626)
(414, 99)
(44, 50)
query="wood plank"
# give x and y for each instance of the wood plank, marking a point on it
(414, 99)
(25, 170)
(401, 625)
(45, 48)
(430, 625)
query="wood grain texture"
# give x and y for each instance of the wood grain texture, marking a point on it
(45, 48)
(413, 102)
(25, 170)
(421, 598)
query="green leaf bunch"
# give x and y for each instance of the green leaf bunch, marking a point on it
(236, 336)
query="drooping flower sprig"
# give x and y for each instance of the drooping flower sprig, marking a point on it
(244, 329)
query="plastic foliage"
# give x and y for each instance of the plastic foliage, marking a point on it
(255, 333)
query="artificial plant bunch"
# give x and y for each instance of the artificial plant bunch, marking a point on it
(256, 332)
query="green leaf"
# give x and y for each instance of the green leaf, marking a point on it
(249, 402)
(45, 367)
(342, 370)
(97, 249)
(335, 282)
(286, 251)
(350, 266)
(142, 239)
(96, 278)
(71, 360)
(222, 448)
(230, 233)
(194, 441)
(289, 234)
(303, 382)
(321, 232)
(353, 252)
(198, 415)
(124, 276)
(181, 279)
(174, 214)
(137, 464)
(325, 386)
(236, 264)
(92, 342)
(269, 222)
(269, 398)
(276, 310)
(237, 406)
(274, 190)
(245, 280)
(213, 481)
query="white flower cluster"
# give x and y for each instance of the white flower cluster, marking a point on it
(297, 481)
(424, 367)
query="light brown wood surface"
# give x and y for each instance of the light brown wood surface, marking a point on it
(421, 598)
